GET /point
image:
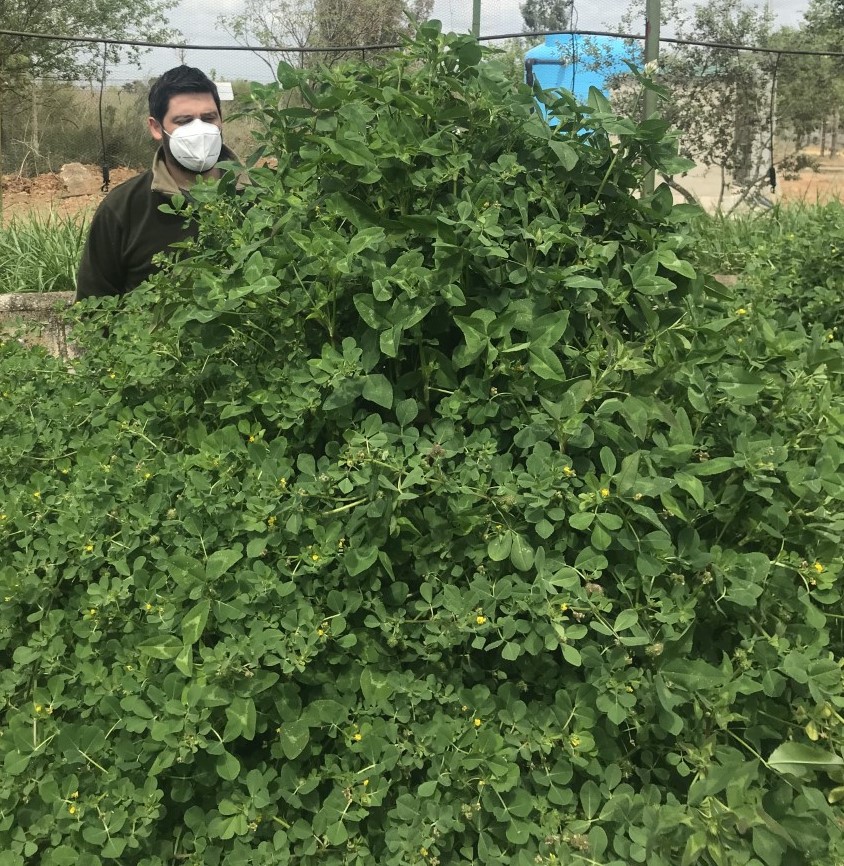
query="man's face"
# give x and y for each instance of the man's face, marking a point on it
(183, 108)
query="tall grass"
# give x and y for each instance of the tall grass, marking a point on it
(730, 244)
(41, 254)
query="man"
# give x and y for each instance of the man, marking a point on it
(128, 228)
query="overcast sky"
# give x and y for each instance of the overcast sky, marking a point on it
(198, 21)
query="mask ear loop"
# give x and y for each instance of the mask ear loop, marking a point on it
(104, 161)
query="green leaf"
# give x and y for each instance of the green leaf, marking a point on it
(353, 152)
(294, 736)
(590, 799)
(162, 647)
(194, 621)
(521, 553)
(406, 411)
(358, 561)
(582, 520)
(220, 561)
(242, 718)
(692, 486)
(377, 388)
(499, 546)
(713, 466)
(375, 686)
(625, 620)
(801, 759)
(228, 767)
(565, 153)
(546, 364)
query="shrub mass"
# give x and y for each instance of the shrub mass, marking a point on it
(433, 508)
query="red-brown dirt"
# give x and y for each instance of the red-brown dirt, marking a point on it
(45, 194)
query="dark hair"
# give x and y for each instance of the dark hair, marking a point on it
(180, 79)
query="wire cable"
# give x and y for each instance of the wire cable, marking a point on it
(182, 46)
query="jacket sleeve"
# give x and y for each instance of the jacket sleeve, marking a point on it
(102, 270)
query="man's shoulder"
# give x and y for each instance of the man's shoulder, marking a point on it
(140, 184)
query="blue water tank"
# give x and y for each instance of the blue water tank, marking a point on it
(576, 63)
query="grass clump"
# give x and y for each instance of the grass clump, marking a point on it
(41, 254)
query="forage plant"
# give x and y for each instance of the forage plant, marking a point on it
(432, 508)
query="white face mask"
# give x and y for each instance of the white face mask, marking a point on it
(196, 145)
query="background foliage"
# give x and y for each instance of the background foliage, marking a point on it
(435, 508)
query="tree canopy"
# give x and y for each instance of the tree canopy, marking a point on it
(545, 14)
(26, 57)
(310, 24)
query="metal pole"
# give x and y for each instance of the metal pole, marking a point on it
(476, 18)
(652, 14)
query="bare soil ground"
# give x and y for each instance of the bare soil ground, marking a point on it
(811, 187)
(45, 194)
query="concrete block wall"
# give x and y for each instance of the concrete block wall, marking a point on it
(35, 318)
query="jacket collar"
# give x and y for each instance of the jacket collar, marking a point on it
(163, 181)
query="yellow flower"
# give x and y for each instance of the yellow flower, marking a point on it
(818, 567)
(89, 548)
(147, 606)
(741, 311)
(464, 708)
(282, 482)
(38, 708)
(74, 795)
(315, 557)
(112, 376)
(568, 471)
(37, 494)
(92, 611)
(366, 783)
(2, 516)
(72, 809)
(251, 439)
(564, 607)
(480, 620)
(423, 852)
(271, 521)
(477, 723)
(605, 492)
(574, 740)
(320, 632)
(147, 476)
(358, 737)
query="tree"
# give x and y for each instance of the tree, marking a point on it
(24, 59)
(297, 25)
(719, 98)
(28, 57)
(545, 14)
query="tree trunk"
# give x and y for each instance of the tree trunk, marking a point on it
(833, 139)
(823, 136)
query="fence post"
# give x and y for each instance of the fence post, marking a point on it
(652, 22)
(476, 18)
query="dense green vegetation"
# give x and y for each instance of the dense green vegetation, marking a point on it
(436, 508)
(789, 260)
(41, 254)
